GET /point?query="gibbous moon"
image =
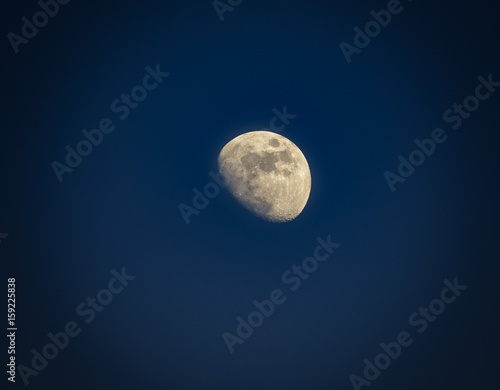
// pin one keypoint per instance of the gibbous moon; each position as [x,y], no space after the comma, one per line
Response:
[268,175]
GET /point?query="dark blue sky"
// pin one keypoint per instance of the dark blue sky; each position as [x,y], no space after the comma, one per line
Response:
[119,207]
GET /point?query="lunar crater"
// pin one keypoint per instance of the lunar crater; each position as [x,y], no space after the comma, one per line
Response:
[274,142]
[268,162]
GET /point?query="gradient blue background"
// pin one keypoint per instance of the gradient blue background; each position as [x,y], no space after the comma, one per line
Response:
[119,208]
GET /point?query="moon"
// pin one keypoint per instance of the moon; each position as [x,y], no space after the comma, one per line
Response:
[267,174]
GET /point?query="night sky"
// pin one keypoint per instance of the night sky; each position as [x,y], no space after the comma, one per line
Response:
[93,234]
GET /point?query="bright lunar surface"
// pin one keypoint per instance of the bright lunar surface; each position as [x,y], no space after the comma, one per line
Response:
[268,174]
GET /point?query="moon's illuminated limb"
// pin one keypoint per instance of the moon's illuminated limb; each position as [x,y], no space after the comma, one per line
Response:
[268,175]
